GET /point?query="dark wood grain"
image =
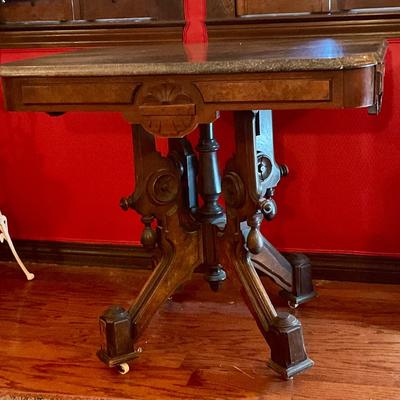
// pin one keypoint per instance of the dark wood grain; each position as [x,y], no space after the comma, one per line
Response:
[349,4]
[245,7]
[219,9]
[109,9]
[199,346]
[44,23]
[39,10]
[62,10]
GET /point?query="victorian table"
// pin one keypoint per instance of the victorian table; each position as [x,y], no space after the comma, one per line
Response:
[170,89]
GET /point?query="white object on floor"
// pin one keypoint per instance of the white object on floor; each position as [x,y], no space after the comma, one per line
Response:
[4,234]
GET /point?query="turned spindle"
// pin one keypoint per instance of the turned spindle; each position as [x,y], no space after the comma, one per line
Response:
[208,214]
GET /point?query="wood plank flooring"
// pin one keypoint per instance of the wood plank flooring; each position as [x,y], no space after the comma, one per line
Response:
[201,345]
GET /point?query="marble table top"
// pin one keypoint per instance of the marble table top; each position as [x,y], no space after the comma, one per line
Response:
[225,57]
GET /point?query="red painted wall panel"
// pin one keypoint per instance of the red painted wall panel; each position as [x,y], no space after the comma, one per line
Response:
[61,178]
[342,195]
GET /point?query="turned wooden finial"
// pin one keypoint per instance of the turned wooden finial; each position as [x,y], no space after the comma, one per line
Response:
[149,235]
[255,239]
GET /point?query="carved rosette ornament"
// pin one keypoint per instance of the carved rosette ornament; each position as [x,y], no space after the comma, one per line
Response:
[163,187]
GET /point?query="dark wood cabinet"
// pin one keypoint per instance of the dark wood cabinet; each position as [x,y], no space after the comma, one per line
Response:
[55,23]
[255,7]
[110,9]
[343,5]
[219,9]
[35,10]
[252,7]
[74,10]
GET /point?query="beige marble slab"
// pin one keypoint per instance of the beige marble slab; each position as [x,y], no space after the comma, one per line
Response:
[217,57]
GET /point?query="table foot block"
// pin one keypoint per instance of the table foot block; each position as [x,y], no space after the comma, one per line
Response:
[290,372]
[288,354]
[303,288]
[118,360]
[116,327]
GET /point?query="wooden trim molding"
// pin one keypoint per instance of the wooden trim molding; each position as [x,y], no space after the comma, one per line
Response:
[87,34]
[341,267]
[66,34]
[384,25]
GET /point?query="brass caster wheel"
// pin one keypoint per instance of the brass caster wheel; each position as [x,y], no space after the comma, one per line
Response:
[123,368]
[292,305]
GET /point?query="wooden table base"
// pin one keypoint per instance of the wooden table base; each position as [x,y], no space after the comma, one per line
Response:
[223,241]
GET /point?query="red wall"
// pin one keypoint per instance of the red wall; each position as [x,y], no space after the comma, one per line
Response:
[61,178]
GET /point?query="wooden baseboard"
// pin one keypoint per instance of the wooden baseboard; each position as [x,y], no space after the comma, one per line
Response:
[71,253]
[343,267]
[356,268]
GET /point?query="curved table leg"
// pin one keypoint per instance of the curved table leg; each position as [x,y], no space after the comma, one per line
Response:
[282,331]
[291,273]
[162,194]
[255,165]
[121,328]
[250,175]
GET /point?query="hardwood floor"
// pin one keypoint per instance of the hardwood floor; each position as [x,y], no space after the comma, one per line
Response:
[202,345]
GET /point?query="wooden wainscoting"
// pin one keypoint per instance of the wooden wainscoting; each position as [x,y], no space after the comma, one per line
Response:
[340,267]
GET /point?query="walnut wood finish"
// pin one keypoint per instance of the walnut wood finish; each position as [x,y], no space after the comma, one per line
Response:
[168,90]
[245,7]
[36,10]
[142,81]
[349,4]
[158,195]
[109,9]
[73,10]
[184,243]
[221,14]
[219,9]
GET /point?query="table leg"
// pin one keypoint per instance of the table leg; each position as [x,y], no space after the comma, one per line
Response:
[292,274]
[159,194]
[246,191]
[282,331]
[188,236]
